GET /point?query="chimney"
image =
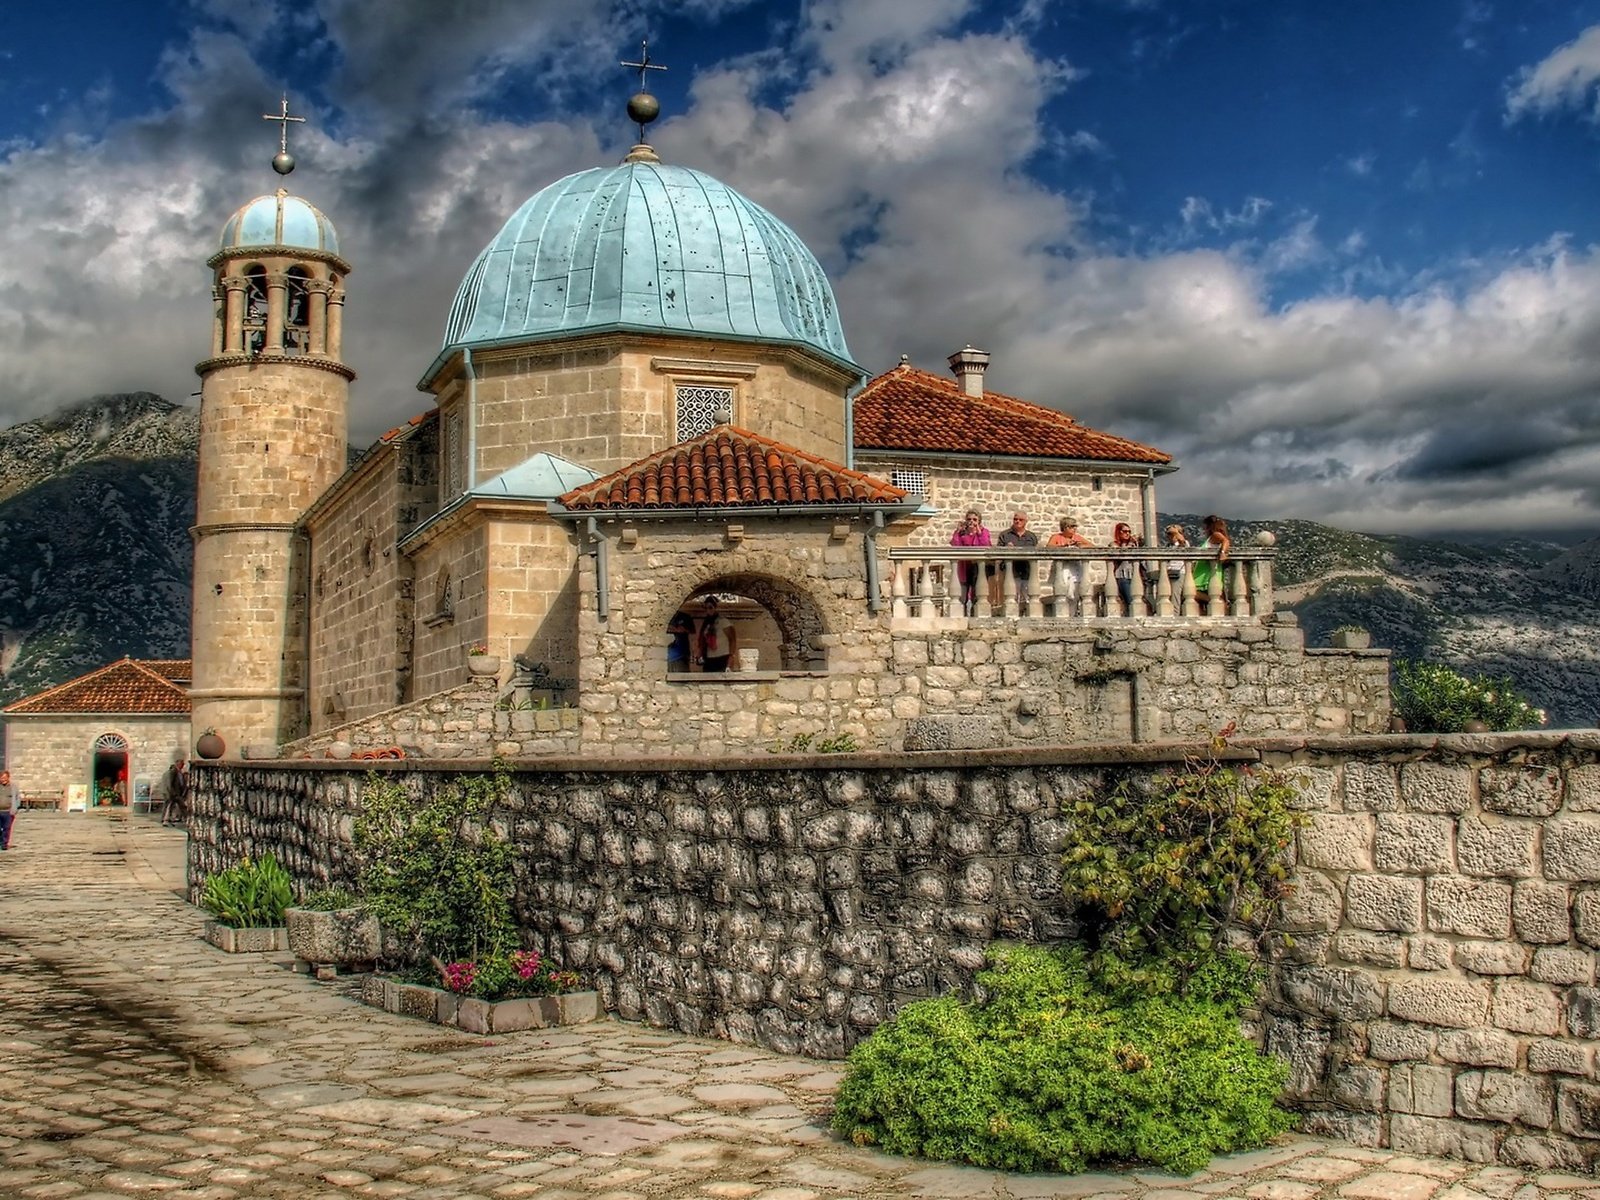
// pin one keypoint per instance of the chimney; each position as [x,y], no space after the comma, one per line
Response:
[969,366]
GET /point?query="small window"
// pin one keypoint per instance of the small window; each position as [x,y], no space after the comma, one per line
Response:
[914,483]
[698,408]
[455,453]
[1096,483]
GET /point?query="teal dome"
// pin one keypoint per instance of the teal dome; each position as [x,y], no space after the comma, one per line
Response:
[280,220]
[647,247]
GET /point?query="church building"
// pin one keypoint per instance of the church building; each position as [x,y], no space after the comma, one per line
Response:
[645,420]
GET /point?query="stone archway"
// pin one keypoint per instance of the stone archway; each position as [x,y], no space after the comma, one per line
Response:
[793,609]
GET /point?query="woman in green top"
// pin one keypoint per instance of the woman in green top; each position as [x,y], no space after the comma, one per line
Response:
[1206,570]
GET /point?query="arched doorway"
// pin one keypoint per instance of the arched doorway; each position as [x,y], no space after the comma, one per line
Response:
[773,616]
[108,772]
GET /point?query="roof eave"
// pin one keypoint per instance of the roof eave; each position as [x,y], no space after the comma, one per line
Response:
[1103,464]
[721,512]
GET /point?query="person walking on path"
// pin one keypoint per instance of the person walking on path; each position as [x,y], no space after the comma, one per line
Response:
[176,806]
[10,802]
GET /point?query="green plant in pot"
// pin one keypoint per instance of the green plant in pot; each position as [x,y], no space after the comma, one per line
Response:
[252,895]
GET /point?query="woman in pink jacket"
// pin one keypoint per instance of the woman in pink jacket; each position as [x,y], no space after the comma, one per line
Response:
[970,533]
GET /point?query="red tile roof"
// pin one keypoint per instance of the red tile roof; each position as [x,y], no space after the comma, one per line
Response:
[731,467]
[128,686]
[910,409]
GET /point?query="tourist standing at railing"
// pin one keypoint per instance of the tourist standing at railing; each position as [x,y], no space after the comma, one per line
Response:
[1176,540]
[1021,569]
[1126,569]
[1070,574]
[1206,570]
[971,533]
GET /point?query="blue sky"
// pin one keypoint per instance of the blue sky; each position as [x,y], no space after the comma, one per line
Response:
[1338,258]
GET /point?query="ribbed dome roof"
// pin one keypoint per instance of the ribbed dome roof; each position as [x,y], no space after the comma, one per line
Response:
[649,247]
[280,220]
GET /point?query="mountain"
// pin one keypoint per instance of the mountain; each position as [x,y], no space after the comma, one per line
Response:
[95,559]
[1512,607]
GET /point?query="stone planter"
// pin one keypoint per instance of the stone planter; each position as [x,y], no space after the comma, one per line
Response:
[483,664]
[479,1016]
[341,937]
[748,660]
[1351,639]
[246,941]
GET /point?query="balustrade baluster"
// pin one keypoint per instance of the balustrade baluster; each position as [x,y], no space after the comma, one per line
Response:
[1239,599]
[899,605]
[924,593]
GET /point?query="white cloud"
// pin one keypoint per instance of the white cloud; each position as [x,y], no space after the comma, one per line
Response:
[1564,79]
[900,156]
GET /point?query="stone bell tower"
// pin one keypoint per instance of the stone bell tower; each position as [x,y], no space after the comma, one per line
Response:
[274,396]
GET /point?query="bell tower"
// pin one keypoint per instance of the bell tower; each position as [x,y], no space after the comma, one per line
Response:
[274,396]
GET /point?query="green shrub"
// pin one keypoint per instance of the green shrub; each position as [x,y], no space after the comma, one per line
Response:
[329,900]
[432,872]
[251,895]
[1158,870]
[1433,698]
[1051,1070]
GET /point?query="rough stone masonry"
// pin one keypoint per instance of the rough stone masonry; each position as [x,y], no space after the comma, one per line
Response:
[1433,986]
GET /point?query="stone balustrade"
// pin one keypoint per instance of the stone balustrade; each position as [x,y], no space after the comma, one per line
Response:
[1080,583]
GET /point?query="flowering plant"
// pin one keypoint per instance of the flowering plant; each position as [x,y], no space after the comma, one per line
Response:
[1432,698]
[511,976]
[478,649]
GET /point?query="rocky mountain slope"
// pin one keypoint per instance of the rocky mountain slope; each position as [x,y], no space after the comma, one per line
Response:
[1514,607]
[95,559]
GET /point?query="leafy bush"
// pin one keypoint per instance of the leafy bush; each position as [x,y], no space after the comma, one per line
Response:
[1158,871]
[1051,1070]
[432,872]
[329,900]
[1433,698]
[251,895]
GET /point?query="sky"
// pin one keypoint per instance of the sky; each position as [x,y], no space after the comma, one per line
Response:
[1341,260]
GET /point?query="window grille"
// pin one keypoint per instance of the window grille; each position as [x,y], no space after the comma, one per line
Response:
[698,407]
[913,483]
[110,741]
[454,454]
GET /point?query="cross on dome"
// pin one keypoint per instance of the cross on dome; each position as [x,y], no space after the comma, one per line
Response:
[283,161]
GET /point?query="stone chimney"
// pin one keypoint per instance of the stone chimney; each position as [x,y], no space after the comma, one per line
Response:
[969,366]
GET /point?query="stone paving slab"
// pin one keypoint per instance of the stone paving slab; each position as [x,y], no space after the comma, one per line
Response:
[137,1061]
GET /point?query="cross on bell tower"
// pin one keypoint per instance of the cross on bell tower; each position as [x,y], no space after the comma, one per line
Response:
[283,161]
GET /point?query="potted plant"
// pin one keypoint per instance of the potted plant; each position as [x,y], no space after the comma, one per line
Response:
[480,661]
[247,904]
[210,745]
[331,930]
[1351,637]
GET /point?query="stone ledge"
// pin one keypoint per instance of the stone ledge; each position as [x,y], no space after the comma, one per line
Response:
[245,941]
[479,1016]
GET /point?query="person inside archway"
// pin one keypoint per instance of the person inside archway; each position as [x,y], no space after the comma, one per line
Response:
[719,640]
[679,651]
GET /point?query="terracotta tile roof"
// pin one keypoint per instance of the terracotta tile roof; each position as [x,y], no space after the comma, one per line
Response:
[410,424]
[731,467]
[911,409]
[128,686]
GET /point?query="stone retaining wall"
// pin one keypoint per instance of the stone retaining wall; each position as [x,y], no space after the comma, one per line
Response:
[1437,995]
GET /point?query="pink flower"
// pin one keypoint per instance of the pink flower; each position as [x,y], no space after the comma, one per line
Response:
[458,976]
[525,963]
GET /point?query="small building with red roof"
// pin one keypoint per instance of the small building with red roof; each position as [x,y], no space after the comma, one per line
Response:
[103,739]
[959,446]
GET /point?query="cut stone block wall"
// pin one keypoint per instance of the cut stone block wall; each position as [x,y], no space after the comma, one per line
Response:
[1433,987]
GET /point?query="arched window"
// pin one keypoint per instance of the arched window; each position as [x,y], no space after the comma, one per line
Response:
[255,310]
[110,741]
[297,313]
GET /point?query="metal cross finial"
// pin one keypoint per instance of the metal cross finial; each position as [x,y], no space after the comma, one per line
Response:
[283,118]
[644,64]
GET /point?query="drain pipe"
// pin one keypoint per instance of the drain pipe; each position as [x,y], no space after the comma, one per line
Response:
[870,544]
[602,570]
[472,419]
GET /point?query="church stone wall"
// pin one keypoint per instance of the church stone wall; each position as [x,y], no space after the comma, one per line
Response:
[607,402]
[446,625]
[533,592]
[1438,995]
[1045,493]
[45,754]
[359,600]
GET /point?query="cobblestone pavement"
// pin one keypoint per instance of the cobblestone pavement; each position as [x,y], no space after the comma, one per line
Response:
[135,1060]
